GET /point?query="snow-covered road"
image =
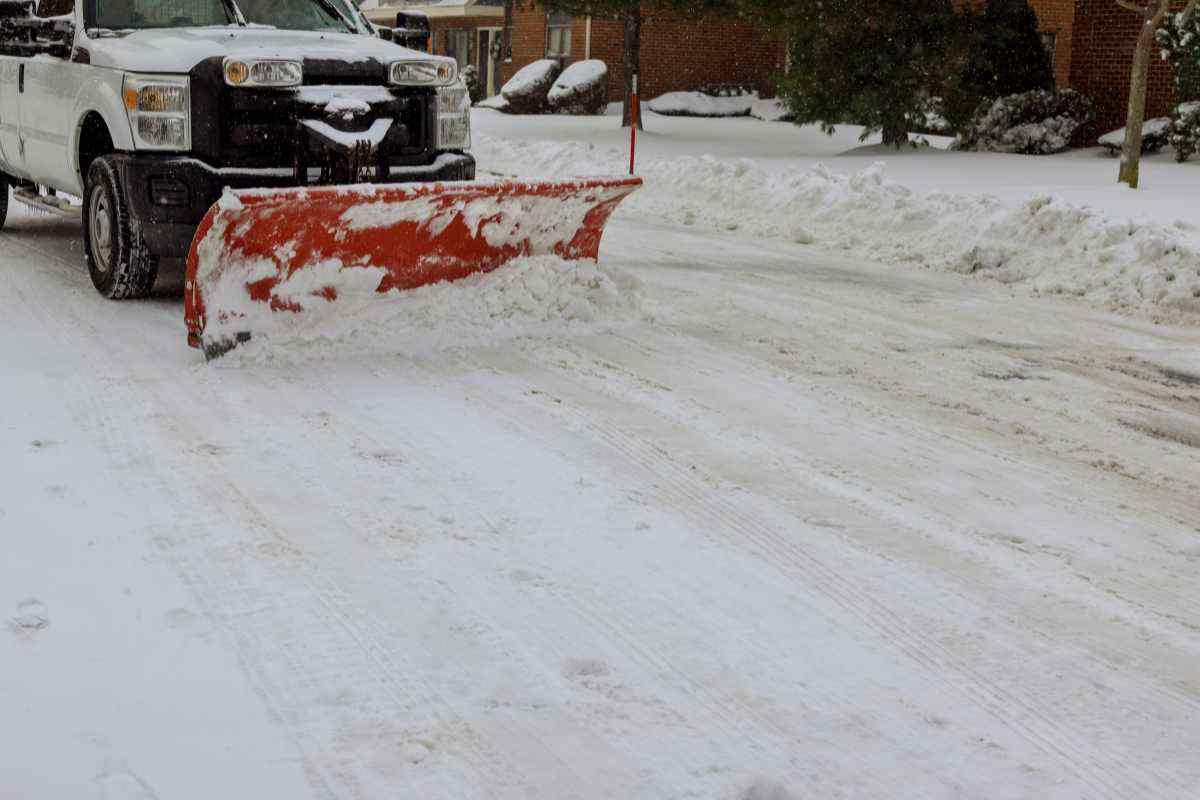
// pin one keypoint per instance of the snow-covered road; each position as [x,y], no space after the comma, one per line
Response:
[816,528]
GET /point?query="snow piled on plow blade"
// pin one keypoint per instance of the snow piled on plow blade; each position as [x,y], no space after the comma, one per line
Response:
[303,263]
[531,296]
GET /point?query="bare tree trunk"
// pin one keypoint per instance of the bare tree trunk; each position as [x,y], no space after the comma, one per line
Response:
[633,61]
[1131,153]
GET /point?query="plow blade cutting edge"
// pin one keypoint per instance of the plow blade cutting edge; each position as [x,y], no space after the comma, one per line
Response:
[263,254]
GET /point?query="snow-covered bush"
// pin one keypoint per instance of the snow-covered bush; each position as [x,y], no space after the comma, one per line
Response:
[496,103]
[772,110]
[1185,131]
[697,104]
[1156,134]
[1033,123]
[727,90]
[527,92]
[582,88]
[470,78]
[931,118]
[1179,39]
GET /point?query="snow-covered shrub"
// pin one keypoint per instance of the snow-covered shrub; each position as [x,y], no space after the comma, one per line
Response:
[727,90]
[582,88]
[697,104]
[527,91]
[1185,131]
[931,118]
[771,110]
[496,103]
[1179,39]
[470,78]
[1033,123]
[1156,133]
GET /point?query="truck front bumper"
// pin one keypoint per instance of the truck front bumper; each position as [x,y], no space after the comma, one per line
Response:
[169,195]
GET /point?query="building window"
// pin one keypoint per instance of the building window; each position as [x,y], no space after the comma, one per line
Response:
[458,46]
[1050,42]
[558,35]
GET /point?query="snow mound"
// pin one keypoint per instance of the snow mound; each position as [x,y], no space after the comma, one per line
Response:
[696,104]
[537,296]
[1046,243]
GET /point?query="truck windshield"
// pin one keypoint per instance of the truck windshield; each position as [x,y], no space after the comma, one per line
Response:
[297,15]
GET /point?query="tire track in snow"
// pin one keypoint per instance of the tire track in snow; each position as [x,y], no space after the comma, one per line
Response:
[1166,502]
[873,499]
[695,500]
[765,734]
[233,600]
[761,377]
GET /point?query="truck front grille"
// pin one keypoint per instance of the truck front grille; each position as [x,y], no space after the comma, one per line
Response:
[236,127]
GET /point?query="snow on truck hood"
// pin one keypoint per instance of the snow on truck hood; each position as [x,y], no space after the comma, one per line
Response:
[178,50]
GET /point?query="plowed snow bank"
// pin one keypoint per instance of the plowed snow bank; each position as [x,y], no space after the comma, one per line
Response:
[1045,243]
[538,296]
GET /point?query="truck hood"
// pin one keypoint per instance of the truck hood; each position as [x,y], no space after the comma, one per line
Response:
[177,51]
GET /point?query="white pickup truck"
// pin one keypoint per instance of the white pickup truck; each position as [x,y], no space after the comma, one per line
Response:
[144,110]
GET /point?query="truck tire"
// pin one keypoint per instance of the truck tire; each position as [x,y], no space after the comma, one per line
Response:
[4,189]
[121,265]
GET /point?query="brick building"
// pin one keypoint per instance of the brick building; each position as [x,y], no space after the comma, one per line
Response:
[1057,21]
[1104,39]
[682,54]
[677,54]
[1092,42]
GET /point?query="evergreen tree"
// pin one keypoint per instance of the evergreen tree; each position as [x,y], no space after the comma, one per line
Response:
[1001,54]
[873,63]
[1179,39]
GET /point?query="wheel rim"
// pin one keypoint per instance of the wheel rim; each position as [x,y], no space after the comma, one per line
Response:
[101,229]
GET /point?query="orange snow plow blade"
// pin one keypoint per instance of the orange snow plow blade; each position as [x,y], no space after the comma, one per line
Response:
[265,252]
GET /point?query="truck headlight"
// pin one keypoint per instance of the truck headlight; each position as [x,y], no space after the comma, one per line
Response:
[159,109]
[268,72]
[434,72]
[453,118]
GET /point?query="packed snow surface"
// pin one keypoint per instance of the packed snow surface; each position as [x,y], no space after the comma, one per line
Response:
[781,521]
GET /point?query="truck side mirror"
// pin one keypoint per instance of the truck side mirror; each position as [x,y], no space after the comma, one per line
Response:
[384,33]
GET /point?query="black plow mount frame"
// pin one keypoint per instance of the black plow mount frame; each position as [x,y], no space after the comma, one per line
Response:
[343,159]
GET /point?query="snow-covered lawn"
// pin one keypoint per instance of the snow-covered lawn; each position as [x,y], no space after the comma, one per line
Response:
[732,517]
[1058,225]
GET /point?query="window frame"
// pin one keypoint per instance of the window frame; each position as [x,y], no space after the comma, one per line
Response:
[563,29]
